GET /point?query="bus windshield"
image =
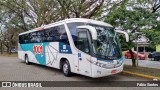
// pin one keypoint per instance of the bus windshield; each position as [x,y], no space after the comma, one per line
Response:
[107,45]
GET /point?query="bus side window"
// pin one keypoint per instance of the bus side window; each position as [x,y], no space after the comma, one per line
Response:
[73,30]
[82,42]
[63,35]
[21,39]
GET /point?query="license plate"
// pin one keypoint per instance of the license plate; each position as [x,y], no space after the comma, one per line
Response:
[114,71]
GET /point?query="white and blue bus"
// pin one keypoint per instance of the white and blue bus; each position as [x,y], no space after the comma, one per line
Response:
[75,45]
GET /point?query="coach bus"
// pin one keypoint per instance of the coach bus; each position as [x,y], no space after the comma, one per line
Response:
[75,45]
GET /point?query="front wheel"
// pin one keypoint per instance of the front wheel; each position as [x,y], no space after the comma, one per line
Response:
[66,68]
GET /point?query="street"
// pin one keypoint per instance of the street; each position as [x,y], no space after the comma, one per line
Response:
[13,69]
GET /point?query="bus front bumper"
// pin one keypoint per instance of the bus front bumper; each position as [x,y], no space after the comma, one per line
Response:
[102,72]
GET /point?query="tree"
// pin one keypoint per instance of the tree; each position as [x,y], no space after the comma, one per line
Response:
[153,35]
[156,6]
[35,13]
[132,20]
[10,40]
[9,34]
[153,5]
[80,8]
[31,13]
[25,15]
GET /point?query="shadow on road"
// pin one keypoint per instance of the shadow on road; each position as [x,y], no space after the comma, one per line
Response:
[76,76]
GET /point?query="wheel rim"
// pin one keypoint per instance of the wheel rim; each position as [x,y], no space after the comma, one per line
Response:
[65,68]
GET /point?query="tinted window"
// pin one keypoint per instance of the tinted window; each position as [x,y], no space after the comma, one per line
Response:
[73,29]
[82,42]
[53,34]
[35,37]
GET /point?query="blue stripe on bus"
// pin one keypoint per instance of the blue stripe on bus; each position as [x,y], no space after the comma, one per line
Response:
[39,57]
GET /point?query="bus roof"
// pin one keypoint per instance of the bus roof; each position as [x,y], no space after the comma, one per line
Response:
[68,21]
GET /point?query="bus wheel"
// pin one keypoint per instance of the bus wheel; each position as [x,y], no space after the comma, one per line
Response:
[66,68]
[26,59]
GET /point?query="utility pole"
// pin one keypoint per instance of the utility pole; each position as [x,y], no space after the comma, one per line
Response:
[137,33]
[1,39]
[137,54]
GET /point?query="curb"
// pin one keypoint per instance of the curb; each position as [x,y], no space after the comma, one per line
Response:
[143,66]
[142,75]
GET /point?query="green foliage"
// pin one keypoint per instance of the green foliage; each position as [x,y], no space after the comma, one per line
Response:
[125,46]
[133,20]
[153,36]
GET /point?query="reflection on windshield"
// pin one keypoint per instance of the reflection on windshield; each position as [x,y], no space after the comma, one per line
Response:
[107,43]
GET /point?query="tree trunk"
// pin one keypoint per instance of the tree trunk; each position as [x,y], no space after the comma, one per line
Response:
[132,57]
[9,50]
[1,48]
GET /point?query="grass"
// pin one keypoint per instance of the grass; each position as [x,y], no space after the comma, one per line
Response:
[143,70]
[123,52]
[158,48]
[9,55]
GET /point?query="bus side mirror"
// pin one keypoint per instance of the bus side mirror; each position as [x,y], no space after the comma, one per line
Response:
[91,29]
[123,33]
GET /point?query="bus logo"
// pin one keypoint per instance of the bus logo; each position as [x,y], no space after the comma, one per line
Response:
[38,49]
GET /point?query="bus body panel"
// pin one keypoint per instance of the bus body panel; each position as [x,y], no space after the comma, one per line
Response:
[82,66]
[50,54]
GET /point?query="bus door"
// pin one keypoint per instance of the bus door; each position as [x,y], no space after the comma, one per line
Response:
[84,66]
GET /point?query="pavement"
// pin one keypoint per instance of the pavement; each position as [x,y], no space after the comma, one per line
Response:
[144,63]
[13,69]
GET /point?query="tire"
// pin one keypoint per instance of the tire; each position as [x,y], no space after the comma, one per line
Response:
[139,58]
[66,69]
[154,59]
[27,60]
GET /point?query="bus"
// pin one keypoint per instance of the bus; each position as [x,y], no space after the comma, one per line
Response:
[76,45]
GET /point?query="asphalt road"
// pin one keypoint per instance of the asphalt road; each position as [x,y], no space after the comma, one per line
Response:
[13,69]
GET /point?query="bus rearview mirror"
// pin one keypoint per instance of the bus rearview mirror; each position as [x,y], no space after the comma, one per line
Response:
[91,29]
[123,33]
